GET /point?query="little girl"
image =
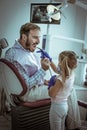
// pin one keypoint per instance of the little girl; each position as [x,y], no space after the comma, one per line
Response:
[60,88]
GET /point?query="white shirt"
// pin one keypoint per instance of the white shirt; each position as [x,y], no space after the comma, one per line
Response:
[64,92]
[27,64]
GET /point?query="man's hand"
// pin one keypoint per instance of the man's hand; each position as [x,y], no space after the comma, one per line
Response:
[46,82]
[52,81]
[44,54]
[45,64]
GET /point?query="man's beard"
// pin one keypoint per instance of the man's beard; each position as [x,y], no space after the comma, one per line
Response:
[27,44]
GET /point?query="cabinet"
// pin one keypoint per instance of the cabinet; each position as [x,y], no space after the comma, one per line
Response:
[81,72]
[82,95]
[81,89]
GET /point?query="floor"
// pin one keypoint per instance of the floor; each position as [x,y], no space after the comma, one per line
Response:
[5,123]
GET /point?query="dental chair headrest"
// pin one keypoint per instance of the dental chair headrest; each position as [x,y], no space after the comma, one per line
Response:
[3,43]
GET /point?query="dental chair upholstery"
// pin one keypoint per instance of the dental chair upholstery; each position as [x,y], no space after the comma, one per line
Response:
[24,115]
[3,44]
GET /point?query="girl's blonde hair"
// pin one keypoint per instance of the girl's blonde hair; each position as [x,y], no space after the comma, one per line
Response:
[67,62]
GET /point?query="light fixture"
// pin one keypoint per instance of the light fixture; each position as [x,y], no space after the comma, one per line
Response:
[53,12]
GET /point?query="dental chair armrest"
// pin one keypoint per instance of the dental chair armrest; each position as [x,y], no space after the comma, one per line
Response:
[82,103]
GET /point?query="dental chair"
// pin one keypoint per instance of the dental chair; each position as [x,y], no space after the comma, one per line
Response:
[24,115]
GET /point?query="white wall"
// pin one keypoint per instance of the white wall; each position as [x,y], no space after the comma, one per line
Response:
[12,15]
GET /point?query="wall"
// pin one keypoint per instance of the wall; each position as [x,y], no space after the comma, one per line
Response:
[15,13]
[12,15]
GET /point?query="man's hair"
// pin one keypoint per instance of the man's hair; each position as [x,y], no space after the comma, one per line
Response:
[25,29]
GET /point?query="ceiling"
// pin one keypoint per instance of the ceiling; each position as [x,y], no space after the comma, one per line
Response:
[82,3]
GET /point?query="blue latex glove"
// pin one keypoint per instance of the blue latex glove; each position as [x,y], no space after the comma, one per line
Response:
[52,81]
[44,54]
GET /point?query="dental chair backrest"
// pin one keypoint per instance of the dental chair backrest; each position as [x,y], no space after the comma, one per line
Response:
[11,80]
[3,44]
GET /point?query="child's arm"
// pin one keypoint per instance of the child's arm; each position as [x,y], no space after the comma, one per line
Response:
[54,89]
[54,67]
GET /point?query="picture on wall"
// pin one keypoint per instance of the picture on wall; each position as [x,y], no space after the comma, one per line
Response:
[45,13]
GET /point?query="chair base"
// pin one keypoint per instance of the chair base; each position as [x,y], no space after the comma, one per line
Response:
[25,118]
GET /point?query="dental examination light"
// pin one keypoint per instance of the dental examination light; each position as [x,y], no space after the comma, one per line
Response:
[53,12]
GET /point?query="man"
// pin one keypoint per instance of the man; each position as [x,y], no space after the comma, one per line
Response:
[24,57]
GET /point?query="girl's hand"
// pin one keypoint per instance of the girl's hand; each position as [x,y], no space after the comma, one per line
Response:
[52,81]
